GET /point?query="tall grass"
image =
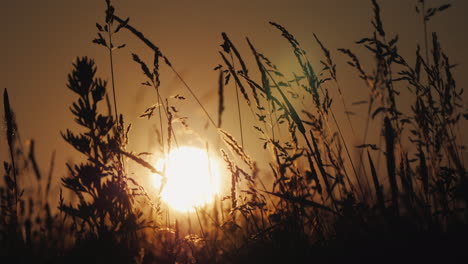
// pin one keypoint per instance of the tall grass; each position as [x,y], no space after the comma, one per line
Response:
[321,205]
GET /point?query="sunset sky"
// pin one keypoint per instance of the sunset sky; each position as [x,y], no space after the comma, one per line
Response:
[41,39]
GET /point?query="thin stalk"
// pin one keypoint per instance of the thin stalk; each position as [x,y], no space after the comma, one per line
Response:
[194,96]
[348,154]
[238,106]
[112,69]
[271,120]
[391,164]
[160,119]
[201,227]
[345,107]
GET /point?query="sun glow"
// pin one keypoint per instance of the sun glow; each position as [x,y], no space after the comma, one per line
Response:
[193,178]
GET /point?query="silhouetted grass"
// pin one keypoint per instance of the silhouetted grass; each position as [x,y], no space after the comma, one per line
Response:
[321,205]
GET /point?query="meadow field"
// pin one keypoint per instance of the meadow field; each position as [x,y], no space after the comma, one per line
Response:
[286,169]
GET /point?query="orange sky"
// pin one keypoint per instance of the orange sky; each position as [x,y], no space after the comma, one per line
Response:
[40,39]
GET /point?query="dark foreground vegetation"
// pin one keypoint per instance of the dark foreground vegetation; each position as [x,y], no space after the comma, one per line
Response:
[322,205]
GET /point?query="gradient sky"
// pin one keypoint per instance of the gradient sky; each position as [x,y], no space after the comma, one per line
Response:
[40,40]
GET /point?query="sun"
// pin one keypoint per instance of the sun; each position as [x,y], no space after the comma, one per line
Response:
[193,178]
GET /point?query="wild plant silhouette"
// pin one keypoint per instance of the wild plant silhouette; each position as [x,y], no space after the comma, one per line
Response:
[323,204]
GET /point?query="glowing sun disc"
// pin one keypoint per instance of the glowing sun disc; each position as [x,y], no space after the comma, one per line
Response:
[193,178]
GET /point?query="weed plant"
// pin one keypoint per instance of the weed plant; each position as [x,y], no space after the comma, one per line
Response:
[322,205]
